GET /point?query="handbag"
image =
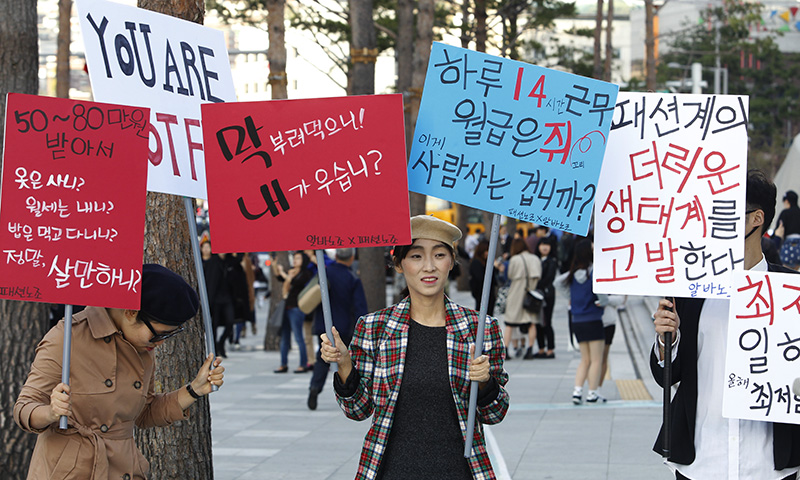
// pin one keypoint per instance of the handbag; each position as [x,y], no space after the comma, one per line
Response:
[310,297]
[533,299]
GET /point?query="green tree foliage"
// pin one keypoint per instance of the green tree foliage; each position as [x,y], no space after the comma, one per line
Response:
[517,17]
[755,67]
[327,21]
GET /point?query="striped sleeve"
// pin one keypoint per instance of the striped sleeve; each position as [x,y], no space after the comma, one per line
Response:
[495,411]
[359,406]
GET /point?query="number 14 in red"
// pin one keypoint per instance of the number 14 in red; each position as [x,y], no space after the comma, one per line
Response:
[537,91]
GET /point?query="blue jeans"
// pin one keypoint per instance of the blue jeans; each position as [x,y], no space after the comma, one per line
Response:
[294,318]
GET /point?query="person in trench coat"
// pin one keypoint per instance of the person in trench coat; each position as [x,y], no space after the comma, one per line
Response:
[111,387]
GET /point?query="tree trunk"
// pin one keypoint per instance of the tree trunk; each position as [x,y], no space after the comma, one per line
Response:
[182,450]
[276,52]
[650,46]
[404,55]
[278,80]
[405,66]
[609,45]
[598,34]
[363,54]
[22,324]
[513,32]
[480,25]
[422,52]
[466,34]
[62,48]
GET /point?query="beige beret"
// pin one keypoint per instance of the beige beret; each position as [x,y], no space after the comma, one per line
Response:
[430,227]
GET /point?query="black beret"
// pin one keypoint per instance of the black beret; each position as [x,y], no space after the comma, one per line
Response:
[166,297]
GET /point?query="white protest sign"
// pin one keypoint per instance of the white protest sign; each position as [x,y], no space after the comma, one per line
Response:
[670,203]
[142,58]
[763,353]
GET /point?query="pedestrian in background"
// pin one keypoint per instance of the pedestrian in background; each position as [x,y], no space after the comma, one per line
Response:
[410,367]
[348,304]
[524,271]
[587,322]
[477,271]
[293,283]
[545,336]
[240,293]
[220,300]
[112,384]
[789,220]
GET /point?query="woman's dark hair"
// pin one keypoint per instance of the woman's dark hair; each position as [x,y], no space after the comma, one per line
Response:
[553,247]
[305,260]
[401,251]
[581,259]
[518,246]
[480,249]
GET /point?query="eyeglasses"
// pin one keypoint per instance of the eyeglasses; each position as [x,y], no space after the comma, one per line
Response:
[158,337]
[748,212]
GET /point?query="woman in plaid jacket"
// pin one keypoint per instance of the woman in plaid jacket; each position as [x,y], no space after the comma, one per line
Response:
[409,367]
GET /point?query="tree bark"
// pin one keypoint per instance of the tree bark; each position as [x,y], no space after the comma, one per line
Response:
[363,54]
[278,80]
[276,52]
[62,48]
[422,53]
[466,34]
[22,324]
[598,35]
[404,55]
[182,450]
[650,46]
[609,45]
[363,50]
[480,25]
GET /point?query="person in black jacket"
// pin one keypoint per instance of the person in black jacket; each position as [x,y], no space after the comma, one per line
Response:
[701,445]
[546,251]
[477,270]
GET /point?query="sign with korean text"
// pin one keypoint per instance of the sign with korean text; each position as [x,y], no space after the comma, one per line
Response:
[139,57]
[510,137]
[73,202]
[763,352]
[669,213]
[299,174]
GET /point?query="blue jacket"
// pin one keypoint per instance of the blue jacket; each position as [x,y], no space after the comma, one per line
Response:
[348,302]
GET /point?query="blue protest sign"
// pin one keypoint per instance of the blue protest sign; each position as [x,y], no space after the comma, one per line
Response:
[511,138]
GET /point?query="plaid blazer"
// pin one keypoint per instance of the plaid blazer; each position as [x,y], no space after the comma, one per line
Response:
[378,351]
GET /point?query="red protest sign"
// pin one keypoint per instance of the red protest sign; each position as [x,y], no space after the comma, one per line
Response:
[298,174]
[73,199]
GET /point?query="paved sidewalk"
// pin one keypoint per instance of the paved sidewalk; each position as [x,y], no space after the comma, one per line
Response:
[262,428]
